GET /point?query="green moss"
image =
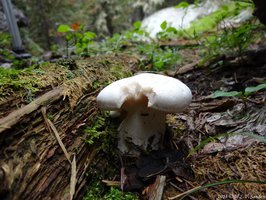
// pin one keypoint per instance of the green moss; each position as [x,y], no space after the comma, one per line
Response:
[96,192]
[18,79]
[118,73]
[96,130]
[102,133]
[115,194]
[32,79]
[5,40]
[209,22]
[103,129]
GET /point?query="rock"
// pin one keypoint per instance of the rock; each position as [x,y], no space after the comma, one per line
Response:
[6,65]
[179,17]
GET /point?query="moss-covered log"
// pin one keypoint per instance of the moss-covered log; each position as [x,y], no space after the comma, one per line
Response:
[43,154]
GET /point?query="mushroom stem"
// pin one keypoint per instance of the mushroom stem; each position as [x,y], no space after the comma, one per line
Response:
[141,130]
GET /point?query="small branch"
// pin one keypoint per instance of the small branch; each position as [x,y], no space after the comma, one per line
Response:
[111,183]
[59,139]
[14,117]
[156,192]
[184,193]
[52,129]
[186,68]
[73,179]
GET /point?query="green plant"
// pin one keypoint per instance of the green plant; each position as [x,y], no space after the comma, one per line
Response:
[160,58]
[208,23]
[130,42]
[102,132]
[5,40]
[130,38]
[94,191]
[134,41]
[7,54]
[15,79]
[214,41]
[77,37]
[247,92]
[115,194]
[223,135]
[183,4]
[230,41]
[242,94]
[103,129]
[167,32]
[96,130]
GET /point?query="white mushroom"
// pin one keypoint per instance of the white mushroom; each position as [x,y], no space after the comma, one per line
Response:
[146,98]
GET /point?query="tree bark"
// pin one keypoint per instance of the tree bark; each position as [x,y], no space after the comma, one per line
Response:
[39,141]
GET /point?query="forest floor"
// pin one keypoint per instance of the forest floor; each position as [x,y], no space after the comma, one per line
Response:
[214,150]
[221,132]
[220,141]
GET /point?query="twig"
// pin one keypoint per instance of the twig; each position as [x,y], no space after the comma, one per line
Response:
[111,183]
[182,194]
[186,68]
[181,190]
[52,129]
[59,139]
[14,117]
[157,190]
[73,179]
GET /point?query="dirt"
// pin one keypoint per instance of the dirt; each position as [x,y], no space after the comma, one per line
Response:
[237,154]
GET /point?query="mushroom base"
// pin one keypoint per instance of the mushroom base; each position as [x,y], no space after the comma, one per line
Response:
[142,130]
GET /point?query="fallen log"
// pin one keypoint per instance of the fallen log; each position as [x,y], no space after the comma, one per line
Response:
[43,154]
[16,116]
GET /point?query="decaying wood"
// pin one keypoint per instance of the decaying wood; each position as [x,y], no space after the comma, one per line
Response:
[14,117]
[229,132]
[186,68]
[156,190]
[43,154]
[251,57]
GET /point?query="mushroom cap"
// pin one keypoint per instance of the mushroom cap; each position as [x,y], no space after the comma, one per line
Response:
[164,93]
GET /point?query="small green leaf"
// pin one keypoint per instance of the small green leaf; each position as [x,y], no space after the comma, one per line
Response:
[223,135]
[217,94]
[163,25]
[137,25]
[171,30]
[63,28]
[90,35]
[69,37]
[250,90]
[159,64]
[183,4]
[140,32]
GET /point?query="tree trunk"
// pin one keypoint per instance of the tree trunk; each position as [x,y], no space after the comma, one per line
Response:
[42,150]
